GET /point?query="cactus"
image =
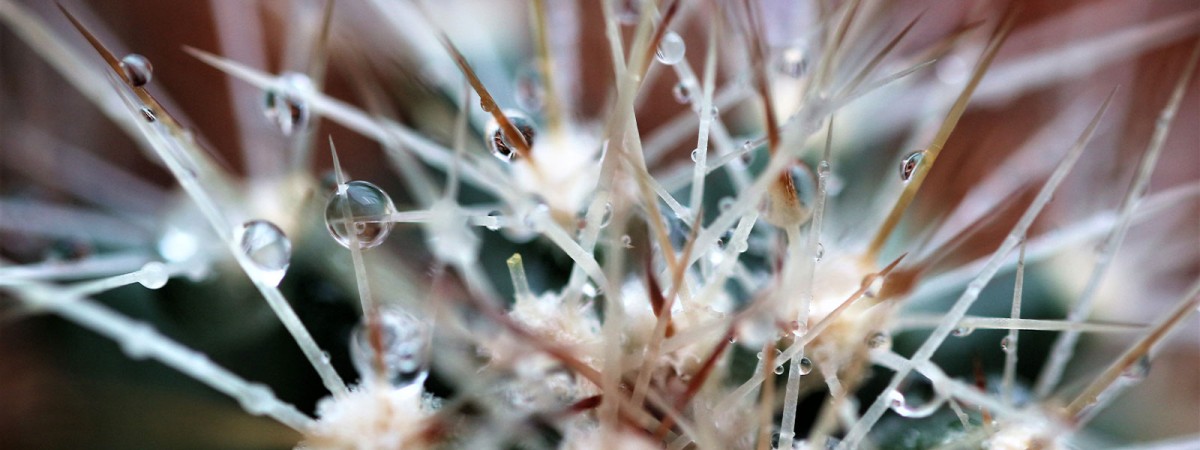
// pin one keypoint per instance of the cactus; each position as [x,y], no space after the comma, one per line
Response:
[614,224]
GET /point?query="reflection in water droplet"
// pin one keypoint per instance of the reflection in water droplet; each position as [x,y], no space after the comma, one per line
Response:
[404,341]
[681,92]
[806,366]
[284,103]
[670,49]
[499,144]
[909,164]
[148,115]
[368,207]
[820,253]
[792,63]
[265,245]
[138,69]
[153,275]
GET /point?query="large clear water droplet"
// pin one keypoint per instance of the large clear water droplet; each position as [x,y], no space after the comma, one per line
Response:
[265,245]
[1139,370]
[681,92]
[368,208]
[792,63]
[284,103]
[806,366]
[670,49]
[153,275]
[403,344]
[499,144]
[530,91]
[137,68]
[909,164]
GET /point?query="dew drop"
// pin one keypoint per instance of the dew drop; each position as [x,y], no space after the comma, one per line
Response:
[265,245]
[874,284]
[284,103]
[695,155]
[606,218]
[530,89]
[880,340]
[962,331]
[1006,344]
[626,241]
[404,342]
[670,49]
[779,369]
[137,68]
[806,366]
[1138,370]
[493,221]
[792,62]
[726,203]
[715,112]
[499,144]
[153,275]
[909,164]
[820,252]
[895,399]
[682,94]
[629,11]
[148,115]
[369,209]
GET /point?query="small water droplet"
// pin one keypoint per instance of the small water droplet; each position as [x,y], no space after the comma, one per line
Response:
[148,115]
[798,328]
[493,222]
[895,399]
[530,89]
[880,340]
[629,11]
[404,345]
[779,369]
[589,290]
[369,208]
[909,164]
[792,62]
[606,218]
[265,245]
[534,217]
[715,112]
[963,331]
[1138,370]
[137,68]
[153,275]
[627,241]
[670,49]
[256,399]
[873,283]
[806,366]
[820,252]
[1006,344]
[682,94]
[695,155]
[499,144]
[284,103]
[726,203]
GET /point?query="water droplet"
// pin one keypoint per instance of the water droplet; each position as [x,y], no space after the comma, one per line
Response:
[779,369]
[530,90]
[606,218]
[759,355]
[629,11]
[1138,370]
[627,241]
[895,399]
[909,164]
[148,115]
[682,94]
[715,112]
[726,203]
[265,245]
[589,290]
[670,49]
[493,222]
[369,209]
[798,328]
[820,252]
[256,399]
[695,155]
[963,331]
[873,283]
[137,68]
[534,217]
[806,366]
[792,62]
[1006,344]
[404,342]
[284,103]
[153,275]
[880,340]
[499,144]
[747,153]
